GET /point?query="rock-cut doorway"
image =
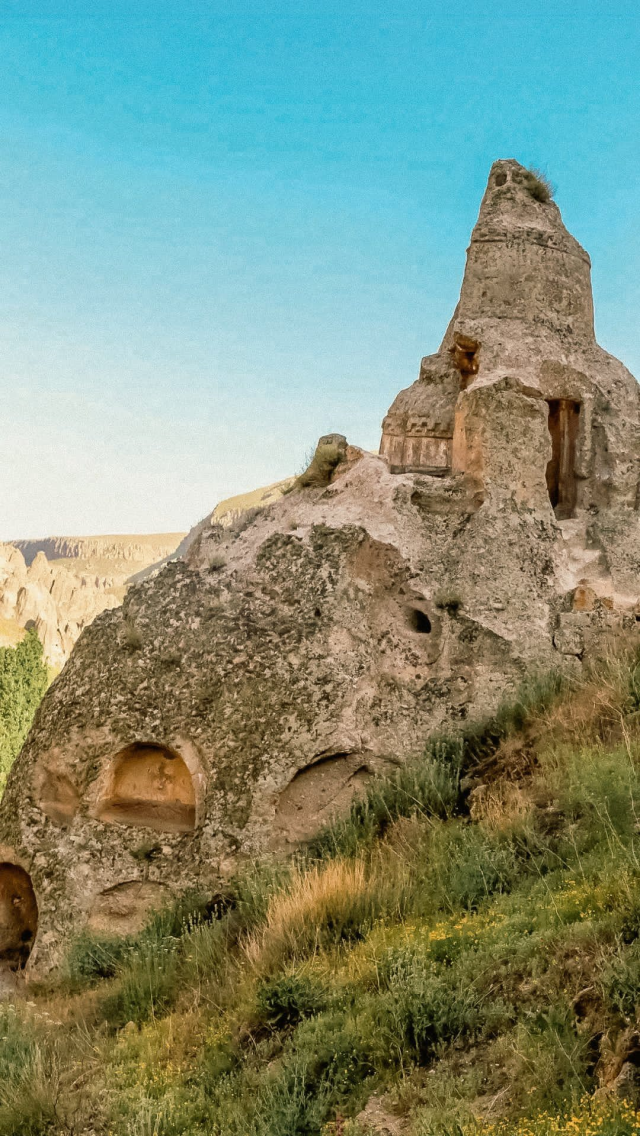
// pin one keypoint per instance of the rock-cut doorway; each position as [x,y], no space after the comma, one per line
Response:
[564,418]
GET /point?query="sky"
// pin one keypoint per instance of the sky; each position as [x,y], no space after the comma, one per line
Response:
[228,228]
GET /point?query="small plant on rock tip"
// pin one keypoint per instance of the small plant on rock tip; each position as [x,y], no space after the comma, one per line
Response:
[539,185]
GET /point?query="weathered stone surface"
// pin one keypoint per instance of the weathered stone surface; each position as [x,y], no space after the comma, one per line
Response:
[243,694]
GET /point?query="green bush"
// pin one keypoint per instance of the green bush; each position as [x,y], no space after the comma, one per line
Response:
[285,1000]
[423,1007]
[621,981]
[147,985]
[23,681]
[29,1079]
[91,957]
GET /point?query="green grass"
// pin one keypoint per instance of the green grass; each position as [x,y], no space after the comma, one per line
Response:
[473,961]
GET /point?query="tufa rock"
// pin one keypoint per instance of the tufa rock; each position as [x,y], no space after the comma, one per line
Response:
[284,662]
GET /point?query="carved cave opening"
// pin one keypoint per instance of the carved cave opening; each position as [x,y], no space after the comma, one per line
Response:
[316,794]
[150,786]
[18,916]
[418,621]
[564,419]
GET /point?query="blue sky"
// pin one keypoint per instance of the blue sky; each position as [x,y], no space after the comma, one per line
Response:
[227,228]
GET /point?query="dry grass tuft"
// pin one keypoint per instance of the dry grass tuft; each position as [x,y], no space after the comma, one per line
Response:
[604,705]
[131,637]
[539,186]
[498,807]
[323,904]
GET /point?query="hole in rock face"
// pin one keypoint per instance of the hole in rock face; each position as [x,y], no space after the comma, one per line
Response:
[501,179]
[564,417]
[150,786]
[418,621]
[18,916]
[465,353]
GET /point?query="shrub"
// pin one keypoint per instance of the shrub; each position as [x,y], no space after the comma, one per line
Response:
[217,562]
[539,186]
[91,957]
[284,1001]
[147,985]
[595,788]
[320,469]
[29,1079]
[466,866]
[23,681]
[131,637]
[548,1058]
[424,1008]
[621,981]
[245,519]
[448,600]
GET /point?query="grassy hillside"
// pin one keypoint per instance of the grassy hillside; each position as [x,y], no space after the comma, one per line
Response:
[460,956]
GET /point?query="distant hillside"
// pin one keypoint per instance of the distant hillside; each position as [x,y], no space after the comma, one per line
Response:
[60,584]
[131,548]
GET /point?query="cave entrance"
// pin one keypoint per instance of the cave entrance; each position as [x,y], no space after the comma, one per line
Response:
[18,917]
[564,417]
[150,786]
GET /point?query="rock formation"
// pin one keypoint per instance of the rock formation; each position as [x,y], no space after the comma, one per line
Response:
[60,584]
[226,513]
[243,695]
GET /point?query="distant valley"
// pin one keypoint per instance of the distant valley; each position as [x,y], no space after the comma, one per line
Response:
[60,584]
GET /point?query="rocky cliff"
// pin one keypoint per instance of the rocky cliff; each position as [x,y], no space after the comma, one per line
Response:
[242,695]
[136,549]
[226,513]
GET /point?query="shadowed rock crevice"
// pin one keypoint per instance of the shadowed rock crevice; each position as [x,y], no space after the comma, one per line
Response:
[18,917]
[57,795]
[125,908]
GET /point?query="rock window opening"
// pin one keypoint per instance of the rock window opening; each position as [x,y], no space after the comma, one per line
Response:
[465,353]
[564,417]
[18,917]
[149,786]
[418,621]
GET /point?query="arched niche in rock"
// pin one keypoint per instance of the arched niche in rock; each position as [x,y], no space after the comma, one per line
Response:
[150,786]
[316,795]
[18,916]
[56,794]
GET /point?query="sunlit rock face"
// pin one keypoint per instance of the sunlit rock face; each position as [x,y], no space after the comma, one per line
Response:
[244,694]
[526,312]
